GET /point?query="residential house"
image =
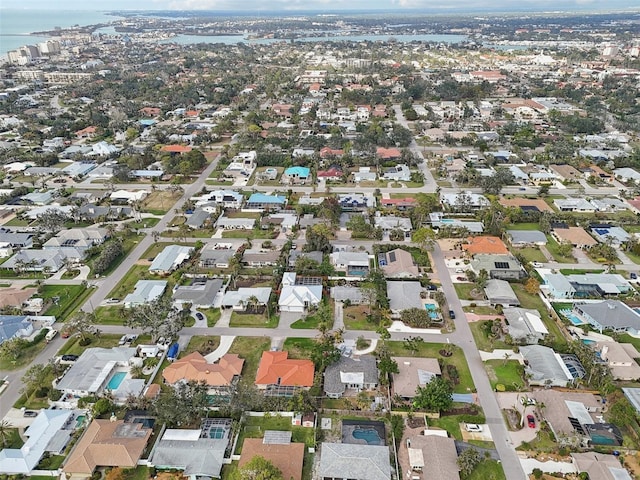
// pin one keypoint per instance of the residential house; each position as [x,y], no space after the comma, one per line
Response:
[216,199]
[344,461]
[258,258]
[125,196]
[579,205]
[526,204]
[296,176]
[277,448]
[285,221]
[352,294]
[316,256]
[463,201]
[438,221]
[78,238]
[526,238]
[364,174]
[94,369]
[16,239]
[202,293]
[610,234]
[413,372]
[566,173]
[401,204]
[432,456]
[213,256]
[626,174]
[50,433]
[241,299]
[391,223]
[600,466]
[524,325]
[398,263]
[403,295]
[78,169]
[107,443]
[352,263]
[499,292]
[261,201]
[198,219]
[356,202]
[145,291]
[16,297]
[350,373]
[576,236]
[611,315]
[170,258]
[196,453]
[621,360]
[15,326]
[545,367]
[399,173]
[47,261]
[388,153]
[242,165]
[609,205]
[235,223]
[503,267]
[586,285]
[334,173]
[279,375]
[485,245]
[298,294]
[220,377]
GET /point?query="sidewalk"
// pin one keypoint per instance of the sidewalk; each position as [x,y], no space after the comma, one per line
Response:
[225,344]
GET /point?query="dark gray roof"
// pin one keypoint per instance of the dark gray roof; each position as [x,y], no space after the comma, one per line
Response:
[365,364]
[356,462]
[499,291]
[295,254]
[611,314]
[197,218]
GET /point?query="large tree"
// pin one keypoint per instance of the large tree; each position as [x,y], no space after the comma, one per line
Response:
[182,405]
[158,318]
[435,396]
[258,468]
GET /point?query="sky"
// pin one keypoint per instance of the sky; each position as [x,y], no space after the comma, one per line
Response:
[330,5]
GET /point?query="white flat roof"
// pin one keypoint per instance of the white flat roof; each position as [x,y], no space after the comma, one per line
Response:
[179,434]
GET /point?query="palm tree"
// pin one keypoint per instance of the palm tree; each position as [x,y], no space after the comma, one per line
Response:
[5,431]
[252,303]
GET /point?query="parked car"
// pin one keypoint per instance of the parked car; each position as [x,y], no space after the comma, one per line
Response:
[112,300]
[531,421]
[529,401]
[459,270]
[452,314]
[29,413]
[633,276]
[199,316]
[472,427]
[69,358]
[65,334]
[537,264]
[461,279]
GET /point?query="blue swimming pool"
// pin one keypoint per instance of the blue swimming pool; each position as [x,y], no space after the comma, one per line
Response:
[369,435]
[588,341]
[116,380]
[432,310]
[573,318]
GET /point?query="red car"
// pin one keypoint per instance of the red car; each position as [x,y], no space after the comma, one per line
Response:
[531,421]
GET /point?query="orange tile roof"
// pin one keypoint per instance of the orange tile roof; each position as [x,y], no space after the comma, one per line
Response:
[388,152]
[276,366]
[108,444]
[176,148]
[152,391]
[287,458]
[195,367]
[485,244]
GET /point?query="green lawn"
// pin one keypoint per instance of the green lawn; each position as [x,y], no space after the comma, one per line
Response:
[73,347]
[156,248]
[13,439]
[299,348]
[253,320]
[128,244]
[17,222]
[626,338]
[451,423]
[355,318]
[144,223]
[205,344]
[532,254]
[250,348]
[482,340]
[256,233]
[254,427]
[464,290]
[212,314]
[508,374]
[534,302]
[313,321]
[487,470]
[110,315]
[523,226]
[70,299]
[553,247]
[431,350]
[26,356]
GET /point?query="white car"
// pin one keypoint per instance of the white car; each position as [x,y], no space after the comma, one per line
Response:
[537,265]
[472,427]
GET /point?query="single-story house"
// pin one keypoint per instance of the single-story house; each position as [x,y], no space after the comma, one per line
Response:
[15,326]
[353,263]
[280,375]
[340,461]
[145,291]
[278,449]
[219,198]
[356,202]
[170,258]
[600,466]
[239,299]
[434,455]
[15,297]
[350,373]
[78,238]
[261,201]
[235,223]
[499,292]
[200,294]
[260,258]
[609,315]
[353,294]
[390,223]
[50,432]
[299,293]
[294,255]
[610,233]
[526,238]
[626,174]
[51,260]
[503,267]
[107,443]
[220,376]
[464,201]
[486,245]
[198,219]
[524,325]
[545,367]
[413,372]
[194,452]
[212,256]
[620,358]
[126,196]
[403,295]
[576,236]
[398,263]
[93,370]
[400,173]
[296,175]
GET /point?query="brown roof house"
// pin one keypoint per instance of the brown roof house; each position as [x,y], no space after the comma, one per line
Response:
[280,375]
[433,456]
[600,466]
[485,245]
[219,377]
[107,443]
[414,372]
[576,236]
[398,263]
[277,448]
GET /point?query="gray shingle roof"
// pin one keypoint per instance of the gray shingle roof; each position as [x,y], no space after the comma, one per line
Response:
[356,462]
[365,364]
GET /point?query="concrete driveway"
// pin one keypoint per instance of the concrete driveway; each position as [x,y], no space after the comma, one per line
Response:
[510,400]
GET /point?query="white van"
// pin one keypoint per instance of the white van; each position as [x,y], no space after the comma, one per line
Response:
[51,334]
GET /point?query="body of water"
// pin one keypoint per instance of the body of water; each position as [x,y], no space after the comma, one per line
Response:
[16,25]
